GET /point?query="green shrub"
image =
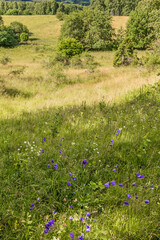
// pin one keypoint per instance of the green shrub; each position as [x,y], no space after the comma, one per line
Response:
[12,12]
[124,54]
[7,37]
[69,47]
[24,37]
[19,28]
[152,57]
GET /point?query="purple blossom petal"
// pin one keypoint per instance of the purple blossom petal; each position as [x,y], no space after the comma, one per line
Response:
[107,184]
[87,214]
[82,219]
[32,205]
[84,162]
[134,184]
[114,170]
[151,185]
[128,195]
[46,230]
[113,182]
[126,203]
[146,201]
[121,185]
[112,140]
[71,235]
[69,184]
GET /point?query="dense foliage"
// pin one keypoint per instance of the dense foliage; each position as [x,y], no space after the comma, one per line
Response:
[124,53]
[12,35]
[91,27]
[36,8]
[69,47]
[143,26]
[7,37]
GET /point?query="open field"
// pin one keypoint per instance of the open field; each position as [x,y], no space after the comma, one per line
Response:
[28,73]
[109,118]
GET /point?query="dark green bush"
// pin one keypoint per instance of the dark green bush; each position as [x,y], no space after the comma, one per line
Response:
[19,28]
[90,27]
[124,54]
[7,37]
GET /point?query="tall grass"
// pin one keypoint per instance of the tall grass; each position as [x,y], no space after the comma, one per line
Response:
[68,136]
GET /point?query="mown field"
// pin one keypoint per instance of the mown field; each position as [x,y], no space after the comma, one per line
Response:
[109,118]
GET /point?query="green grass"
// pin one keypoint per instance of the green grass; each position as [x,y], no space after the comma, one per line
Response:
[87,112]
[87,132]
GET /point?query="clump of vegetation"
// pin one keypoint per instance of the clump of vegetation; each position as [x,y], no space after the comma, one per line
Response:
[90,27]
[152,57]
[5,60]
[69,47]
[24,37]
[143,25]
[125,53]
[60,15]
[12,12]
[7,37]
[19,28]
[12,35]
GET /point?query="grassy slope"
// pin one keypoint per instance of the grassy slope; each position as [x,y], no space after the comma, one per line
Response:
[87,131]
[28,77]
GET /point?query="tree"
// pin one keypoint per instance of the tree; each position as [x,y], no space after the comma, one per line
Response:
[141,26]
[124,54]
[91,27]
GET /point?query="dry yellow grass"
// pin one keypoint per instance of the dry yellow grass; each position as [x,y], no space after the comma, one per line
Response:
[119,21]
[107,83]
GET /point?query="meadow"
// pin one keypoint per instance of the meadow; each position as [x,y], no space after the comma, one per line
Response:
[84,152]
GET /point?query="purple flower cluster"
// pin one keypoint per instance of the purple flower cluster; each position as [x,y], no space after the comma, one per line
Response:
[48,226]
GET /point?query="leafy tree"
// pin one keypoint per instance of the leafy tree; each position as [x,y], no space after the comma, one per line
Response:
[143,25]
[7,37]
[91,27]
[69,47]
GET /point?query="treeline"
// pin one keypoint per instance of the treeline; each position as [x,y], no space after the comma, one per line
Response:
[113,7]
[36,8]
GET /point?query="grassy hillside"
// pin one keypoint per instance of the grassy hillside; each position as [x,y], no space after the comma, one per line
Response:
[48,130]
[72,135]
[29,80]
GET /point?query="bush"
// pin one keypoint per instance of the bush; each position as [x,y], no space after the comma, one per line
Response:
[7,37]
[69,47]
[24,37]
[12,12]
[152,58]
[19,28]
[124,54]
